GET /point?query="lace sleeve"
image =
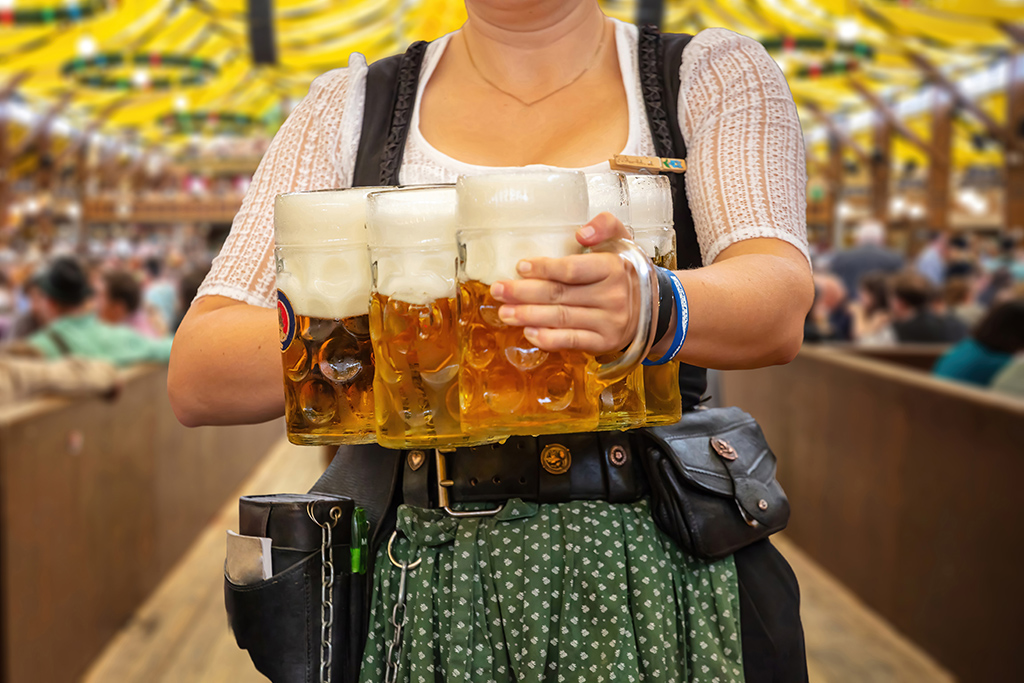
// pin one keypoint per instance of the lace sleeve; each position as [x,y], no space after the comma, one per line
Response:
[314,149]
[746,170]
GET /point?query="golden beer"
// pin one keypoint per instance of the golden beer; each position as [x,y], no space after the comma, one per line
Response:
[413,318]
[323,288]
[507,383]
[328,378]
[651,213]
[621,403]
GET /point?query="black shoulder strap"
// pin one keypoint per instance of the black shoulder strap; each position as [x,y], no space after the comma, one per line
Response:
[660,55]
[59,341]
[390,94]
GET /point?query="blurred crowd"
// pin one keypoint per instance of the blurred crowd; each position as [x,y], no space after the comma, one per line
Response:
[69,318]
[961,290]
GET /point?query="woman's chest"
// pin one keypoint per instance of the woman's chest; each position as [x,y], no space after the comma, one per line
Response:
[574,129]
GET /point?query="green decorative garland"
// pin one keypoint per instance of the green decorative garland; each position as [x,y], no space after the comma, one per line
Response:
[88,70]
[192,122]
[789,43]
[85,9]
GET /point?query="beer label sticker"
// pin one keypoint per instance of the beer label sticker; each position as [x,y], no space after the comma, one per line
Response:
[286,319]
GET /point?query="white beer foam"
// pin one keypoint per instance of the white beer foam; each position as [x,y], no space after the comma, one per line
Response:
[607,192]
[412,242]
[326,283]
[507,217]
[650,201]
[320,238]
[321,217]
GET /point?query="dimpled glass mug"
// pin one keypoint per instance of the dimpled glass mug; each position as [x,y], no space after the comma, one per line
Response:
[413,317]
[622,402]
[650,203]
[323,301]
[506,384]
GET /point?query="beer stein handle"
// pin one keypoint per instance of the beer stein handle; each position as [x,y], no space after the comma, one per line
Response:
[643,339]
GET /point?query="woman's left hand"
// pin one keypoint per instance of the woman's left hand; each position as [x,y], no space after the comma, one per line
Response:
[585,302]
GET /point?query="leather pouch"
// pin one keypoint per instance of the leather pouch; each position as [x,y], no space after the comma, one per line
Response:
[278,621]
[712,477]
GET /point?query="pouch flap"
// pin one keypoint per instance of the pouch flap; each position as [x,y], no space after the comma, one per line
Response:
[723,451]
[284,518]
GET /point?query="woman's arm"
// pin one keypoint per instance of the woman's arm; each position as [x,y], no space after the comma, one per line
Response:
[226,364]
[746,310]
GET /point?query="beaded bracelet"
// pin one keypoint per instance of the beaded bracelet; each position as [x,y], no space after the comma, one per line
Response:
[682,321]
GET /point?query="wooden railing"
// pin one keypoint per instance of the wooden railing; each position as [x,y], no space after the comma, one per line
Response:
[98,499]
[159,209]
[905,487]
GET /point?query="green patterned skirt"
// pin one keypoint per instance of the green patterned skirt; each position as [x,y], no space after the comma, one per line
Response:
[580,591]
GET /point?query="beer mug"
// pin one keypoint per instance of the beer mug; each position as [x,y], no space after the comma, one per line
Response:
[507,384]
[622,402]
[323,302]
[413,317]
[650,204]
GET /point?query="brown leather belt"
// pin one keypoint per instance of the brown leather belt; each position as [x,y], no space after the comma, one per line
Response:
[545,469]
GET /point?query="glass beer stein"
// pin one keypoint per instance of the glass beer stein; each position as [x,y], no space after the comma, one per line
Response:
[507,384]
[413,317]
[622,402]
[323,302]
[650,202]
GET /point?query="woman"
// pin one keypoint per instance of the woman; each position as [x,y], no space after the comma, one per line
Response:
[554,83]
[989,349]
[872,323]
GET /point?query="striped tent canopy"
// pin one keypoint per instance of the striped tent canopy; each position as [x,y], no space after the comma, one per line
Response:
[163,72]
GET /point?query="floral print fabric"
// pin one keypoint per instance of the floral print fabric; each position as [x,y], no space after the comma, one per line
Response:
[580,591]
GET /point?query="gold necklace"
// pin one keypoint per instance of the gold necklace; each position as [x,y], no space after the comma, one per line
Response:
[593,61]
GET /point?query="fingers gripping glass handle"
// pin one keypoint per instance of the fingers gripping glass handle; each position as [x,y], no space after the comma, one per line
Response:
[643,339]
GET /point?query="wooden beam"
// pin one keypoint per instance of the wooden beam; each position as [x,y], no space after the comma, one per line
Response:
[43,127]
[883,109]
[941,161]
[1015,31]
[940,80]
[12,85]
[881,167]
[835,130]
[1014,153]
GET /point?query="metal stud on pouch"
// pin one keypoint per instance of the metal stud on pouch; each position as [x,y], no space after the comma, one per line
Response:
[617,456]
[416,460]
[723,448]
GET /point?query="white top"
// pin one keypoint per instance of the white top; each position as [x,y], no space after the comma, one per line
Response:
[745,173]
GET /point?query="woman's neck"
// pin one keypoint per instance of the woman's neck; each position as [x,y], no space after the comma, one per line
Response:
[536,48]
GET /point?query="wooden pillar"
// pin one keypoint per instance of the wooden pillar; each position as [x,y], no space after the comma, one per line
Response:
[835,173]
[881,168]
[1014,150]
[6,165]
[940,161]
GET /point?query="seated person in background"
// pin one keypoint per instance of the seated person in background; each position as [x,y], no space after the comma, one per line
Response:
[868,256]
[159,292]
[914,317]
[119,302]
[830,313]
[872,322]
[1010,379]
[980,357]
[23,377]
[72,329]
[959,297]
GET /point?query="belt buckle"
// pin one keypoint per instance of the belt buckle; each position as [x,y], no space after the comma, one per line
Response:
[443,482]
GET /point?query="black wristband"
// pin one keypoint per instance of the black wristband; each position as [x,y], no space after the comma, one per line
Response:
[665,299]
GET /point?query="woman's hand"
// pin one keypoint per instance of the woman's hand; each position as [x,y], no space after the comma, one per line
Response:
[585,302]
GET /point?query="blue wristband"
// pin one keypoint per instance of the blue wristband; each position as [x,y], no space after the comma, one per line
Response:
[682,322]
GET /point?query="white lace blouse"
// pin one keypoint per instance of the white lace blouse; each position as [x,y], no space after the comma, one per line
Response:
[745,157]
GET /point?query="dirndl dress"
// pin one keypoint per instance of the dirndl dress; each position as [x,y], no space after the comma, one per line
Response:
[579,591]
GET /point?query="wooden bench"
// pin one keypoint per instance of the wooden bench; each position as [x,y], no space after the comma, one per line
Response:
[905,488]
[98,500]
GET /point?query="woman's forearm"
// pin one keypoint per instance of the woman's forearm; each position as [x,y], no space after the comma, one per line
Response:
[747,309]
[226,364]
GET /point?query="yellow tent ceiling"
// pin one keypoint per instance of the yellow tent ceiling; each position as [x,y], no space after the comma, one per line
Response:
[150,65]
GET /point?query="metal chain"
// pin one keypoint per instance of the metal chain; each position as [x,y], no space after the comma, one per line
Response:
[392,664]
[326,590]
